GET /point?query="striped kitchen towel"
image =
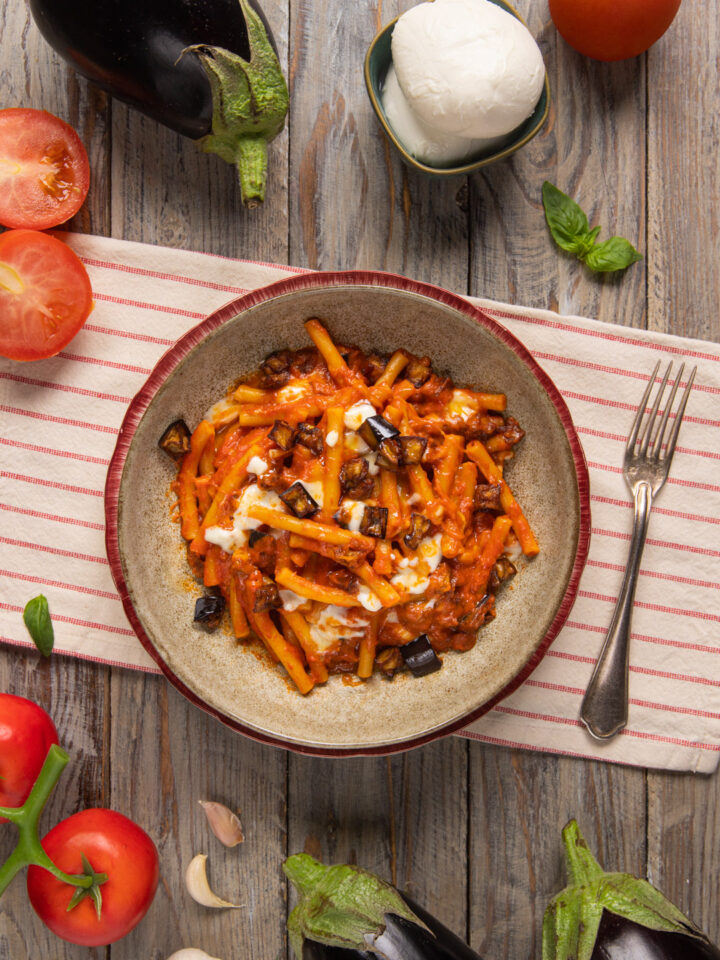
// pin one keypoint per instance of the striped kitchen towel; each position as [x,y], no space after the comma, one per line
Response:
[58,425]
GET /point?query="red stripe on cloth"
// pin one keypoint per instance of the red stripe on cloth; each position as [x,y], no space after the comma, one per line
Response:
[59,651]
[128,335]
[669,544]
[646,638]
[53,484]
[657,607]
[44,548]
[130,368]
[672,481]
[602,335]
[569,722]
[47,418]
[77,587]
[612,501]
[624,405]
[158,307]
[52,516]
[649,704]
[604,368]
[50,385]
[656,574]
[70,454]
[646,671]
[139,271]
[123,631]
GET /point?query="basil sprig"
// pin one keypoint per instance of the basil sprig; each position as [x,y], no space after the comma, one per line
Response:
[37,619]
[571,231]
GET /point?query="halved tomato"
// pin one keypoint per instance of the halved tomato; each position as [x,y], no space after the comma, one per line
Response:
[44,169]
[45,295]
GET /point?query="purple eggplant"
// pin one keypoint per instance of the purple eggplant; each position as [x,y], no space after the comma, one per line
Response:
[615,916]
[346,913]
[205,68]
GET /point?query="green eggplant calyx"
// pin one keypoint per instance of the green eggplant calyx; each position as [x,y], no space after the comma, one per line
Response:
[340,906]
[250,103]
[572,918]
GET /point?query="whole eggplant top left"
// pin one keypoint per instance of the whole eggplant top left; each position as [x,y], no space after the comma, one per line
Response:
[132,49]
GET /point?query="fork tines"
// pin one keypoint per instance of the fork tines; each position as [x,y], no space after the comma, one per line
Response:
[653,438]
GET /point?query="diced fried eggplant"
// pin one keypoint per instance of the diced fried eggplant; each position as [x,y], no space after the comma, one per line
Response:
[482,613]
[390,454]
[254,536]
[419,656]
[418,370]
[267,596]
[299,500]
[388,661]
[310,437]
[488,425]
[176,440]
[504,569]
[419,527]
[374,522]
[282,434]
[342,578]
[263,551]
[209,610]
[487,497]
[355,479]
[277,362]
[372,367]
[512,432]
[375,430]
[413,449]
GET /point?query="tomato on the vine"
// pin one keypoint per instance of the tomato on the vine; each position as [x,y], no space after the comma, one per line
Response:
[112,844]
[609,30]
[45,295]
[26,733]
[44,169]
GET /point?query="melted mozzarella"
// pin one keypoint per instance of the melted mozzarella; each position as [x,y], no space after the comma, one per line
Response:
[357,413]
[353,511]
[368,599]
[332,438]
[257,465]
[462,405]
[330,624]
[293,391]
[413,575]
[291,600]
[354,442]
[230,538]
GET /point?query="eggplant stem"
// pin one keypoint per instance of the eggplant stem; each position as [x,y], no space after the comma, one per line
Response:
[582,866]
[251,165]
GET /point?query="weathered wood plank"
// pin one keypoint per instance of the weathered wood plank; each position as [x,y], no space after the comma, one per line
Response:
[167,756]
[519,804]
[593,148]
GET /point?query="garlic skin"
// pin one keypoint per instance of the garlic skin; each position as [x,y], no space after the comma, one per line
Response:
[191,953]
[196,883]
[223,823]
[467,67]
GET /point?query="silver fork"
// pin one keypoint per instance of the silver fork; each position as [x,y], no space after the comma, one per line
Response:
[604,709]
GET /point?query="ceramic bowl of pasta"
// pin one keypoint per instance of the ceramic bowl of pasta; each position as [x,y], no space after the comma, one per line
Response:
[347,513]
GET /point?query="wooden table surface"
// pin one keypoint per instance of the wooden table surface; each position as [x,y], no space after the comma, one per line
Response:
[471,831]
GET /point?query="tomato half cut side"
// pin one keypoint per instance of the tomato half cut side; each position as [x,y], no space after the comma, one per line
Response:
[45,295]
[44,169]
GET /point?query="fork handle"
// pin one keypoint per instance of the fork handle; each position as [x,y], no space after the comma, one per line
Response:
[604,709]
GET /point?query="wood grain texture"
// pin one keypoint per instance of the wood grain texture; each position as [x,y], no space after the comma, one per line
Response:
[471,831]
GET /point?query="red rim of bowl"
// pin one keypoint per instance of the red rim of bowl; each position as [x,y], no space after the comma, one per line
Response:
[309,281]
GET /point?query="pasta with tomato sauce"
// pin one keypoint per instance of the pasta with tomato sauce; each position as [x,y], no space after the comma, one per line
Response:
[350,511]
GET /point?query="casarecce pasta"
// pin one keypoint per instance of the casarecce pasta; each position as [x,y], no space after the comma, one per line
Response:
[351,511]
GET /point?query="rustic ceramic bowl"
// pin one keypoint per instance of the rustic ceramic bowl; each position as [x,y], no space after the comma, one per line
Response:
[377,63]
[234,681]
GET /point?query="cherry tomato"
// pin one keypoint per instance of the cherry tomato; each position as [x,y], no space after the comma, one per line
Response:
[44,170]
[26,734]
[612,29]
[113,845]
[45,295]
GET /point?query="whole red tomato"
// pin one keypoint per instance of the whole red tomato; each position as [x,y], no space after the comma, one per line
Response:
[612,29]
[26,734]
[113,845]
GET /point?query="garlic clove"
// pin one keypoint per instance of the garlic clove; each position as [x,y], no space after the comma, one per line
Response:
[223,823]
[197,885]
[191,953]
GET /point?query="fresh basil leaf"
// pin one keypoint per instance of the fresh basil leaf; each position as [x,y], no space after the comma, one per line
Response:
[567,222]
[37,619]
[617,253]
